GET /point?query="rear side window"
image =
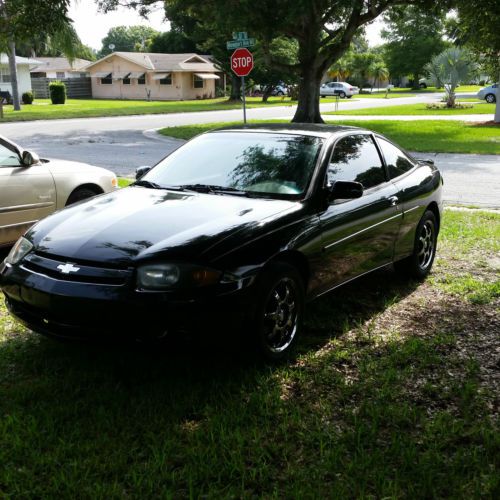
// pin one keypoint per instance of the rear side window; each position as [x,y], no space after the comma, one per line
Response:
[397,162]
[355,158]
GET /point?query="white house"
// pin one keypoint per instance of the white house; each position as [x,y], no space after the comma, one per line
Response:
[59,67]
[23,73]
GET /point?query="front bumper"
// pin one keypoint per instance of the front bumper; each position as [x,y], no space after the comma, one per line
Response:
[76,310]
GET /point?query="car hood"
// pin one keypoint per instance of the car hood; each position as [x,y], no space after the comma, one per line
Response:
[138,223]
[61,167]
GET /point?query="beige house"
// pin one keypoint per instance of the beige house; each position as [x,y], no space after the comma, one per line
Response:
[59,67]
[139,75]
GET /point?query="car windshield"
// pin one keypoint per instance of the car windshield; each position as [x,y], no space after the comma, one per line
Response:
[273,165]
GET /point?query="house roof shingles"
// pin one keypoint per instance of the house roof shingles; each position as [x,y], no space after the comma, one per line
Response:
[60,64]
[165,62]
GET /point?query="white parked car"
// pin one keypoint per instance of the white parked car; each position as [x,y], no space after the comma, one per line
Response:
[342,89]
[489,94]
[32,188]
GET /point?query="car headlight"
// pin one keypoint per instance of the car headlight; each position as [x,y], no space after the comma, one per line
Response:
[19,251]
[167,276]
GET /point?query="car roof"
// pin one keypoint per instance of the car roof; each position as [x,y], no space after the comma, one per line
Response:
[313,129]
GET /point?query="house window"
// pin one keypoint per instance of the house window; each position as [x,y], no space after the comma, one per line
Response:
[5,75]
[142,79]
[166,81]
[126,79]
[60,74]
[197,82]
[107,80]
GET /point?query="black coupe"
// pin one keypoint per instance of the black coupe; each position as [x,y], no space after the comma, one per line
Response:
[238,226]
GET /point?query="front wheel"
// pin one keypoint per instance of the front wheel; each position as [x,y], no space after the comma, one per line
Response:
[419,264]
[80,194]
[342,95]
[278,316]
[490,98]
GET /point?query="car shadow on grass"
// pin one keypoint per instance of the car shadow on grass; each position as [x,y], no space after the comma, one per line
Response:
[205,356]
[200,418]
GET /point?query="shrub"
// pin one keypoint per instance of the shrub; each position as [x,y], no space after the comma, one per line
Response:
[28,98]
[458,105]
[57,92]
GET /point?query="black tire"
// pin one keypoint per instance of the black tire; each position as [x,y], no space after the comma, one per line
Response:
[280,93]
[80,194]
[342,95]
[490,98]
[419,264]
[423,85]
[277,322]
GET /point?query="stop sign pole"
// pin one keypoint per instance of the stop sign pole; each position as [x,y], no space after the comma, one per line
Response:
[242,64]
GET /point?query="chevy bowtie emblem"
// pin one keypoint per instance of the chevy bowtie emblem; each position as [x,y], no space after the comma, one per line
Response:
[67,268]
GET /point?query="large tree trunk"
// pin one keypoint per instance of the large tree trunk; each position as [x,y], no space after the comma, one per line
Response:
[235,88]
[13,76]
[308,106]
[267,92]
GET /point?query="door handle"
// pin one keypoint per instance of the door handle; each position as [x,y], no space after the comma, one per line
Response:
[393,200]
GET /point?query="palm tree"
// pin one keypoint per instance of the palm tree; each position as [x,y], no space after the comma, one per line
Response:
[16,28]
[451,67]
[379,72]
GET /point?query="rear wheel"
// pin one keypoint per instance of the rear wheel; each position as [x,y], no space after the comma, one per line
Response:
[80,194]
[342,95]
[491,98]
[419,264]
[278,316]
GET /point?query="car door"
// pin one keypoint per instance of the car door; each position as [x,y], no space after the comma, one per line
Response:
[330,89]
[358,235]
[412,186]
[27,193]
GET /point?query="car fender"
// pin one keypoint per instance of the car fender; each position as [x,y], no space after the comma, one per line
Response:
[69,175]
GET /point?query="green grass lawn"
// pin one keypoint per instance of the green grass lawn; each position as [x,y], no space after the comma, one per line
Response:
[420,109]
[460,88]
[392,395]
[42,109]
[425,135]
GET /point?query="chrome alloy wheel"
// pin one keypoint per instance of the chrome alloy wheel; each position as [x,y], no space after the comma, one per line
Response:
[426,245]
[281,316]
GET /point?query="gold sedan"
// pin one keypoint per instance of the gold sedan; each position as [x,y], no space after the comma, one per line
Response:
[32,188]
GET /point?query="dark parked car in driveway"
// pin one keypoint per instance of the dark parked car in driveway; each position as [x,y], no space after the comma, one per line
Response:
[239,226]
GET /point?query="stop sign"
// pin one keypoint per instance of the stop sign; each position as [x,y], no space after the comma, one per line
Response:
[242,62]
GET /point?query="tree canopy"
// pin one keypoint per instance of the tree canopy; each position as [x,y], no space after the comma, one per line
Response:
[413,37]
[172,42]
[127,39]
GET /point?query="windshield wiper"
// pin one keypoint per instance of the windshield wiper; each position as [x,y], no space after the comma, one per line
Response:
[154,185]
[213,188]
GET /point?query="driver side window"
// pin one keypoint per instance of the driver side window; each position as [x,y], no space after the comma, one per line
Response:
[356,158]
[8,158]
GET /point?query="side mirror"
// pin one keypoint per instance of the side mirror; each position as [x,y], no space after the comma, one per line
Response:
[345,190]
[141,172]
[30,158]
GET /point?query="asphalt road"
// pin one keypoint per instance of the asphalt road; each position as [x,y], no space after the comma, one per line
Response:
[123,143]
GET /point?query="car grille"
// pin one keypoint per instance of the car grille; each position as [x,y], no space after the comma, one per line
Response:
[54,267]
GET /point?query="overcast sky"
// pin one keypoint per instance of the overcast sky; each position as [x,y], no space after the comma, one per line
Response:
[93,26]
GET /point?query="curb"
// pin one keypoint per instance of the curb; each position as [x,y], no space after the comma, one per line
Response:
[153,134]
